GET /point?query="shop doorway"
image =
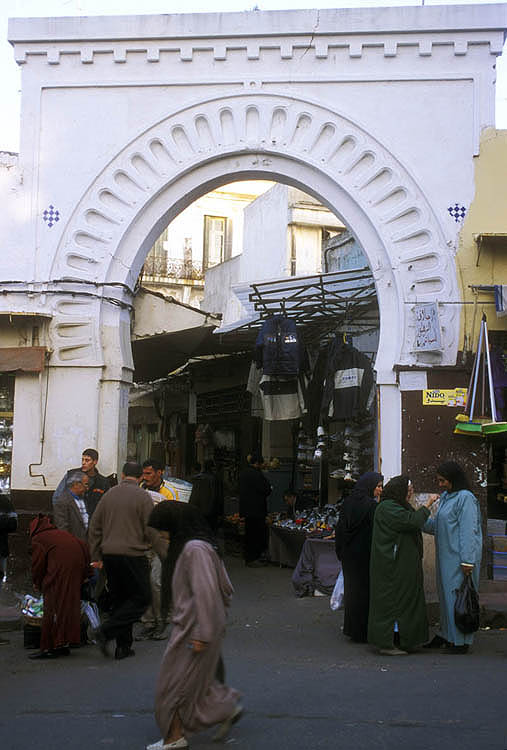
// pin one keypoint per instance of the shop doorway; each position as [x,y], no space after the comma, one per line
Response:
[273,230]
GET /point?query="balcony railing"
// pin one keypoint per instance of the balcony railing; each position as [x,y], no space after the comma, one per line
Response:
[172,268]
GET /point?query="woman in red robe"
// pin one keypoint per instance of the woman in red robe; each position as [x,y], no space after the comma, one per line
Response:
[60,565]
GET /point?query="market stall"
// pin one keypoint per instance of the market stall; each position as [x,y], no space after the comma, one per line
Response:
[317,568]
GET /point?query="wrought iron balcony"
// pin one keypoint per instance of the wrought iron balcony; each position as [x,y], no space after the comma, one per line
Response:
[160,268]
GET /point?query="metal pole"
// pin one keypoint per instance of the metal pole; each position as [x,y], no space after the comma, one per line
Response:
[476,372]
[490,377]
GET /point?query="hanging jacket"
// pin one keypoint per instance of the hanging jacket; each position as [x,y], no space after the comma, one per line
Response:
[278,349]
[348,388]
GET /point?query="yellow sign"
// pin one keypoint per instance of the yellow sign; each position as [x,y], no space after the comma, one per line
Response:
[445,397]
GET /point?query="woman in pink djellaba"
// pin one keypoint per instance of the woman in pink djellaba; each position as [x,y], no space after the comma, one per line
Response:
[189,698]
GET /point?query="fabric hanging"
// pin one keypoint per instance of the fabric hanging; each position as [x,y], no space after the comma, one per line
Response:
[349,385]
[501,300]
[278,349]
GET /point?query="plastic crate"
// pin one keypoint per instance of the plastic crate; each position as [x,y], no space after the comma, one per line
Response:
[499,543]
[499,573]
[496,526]
[499,559]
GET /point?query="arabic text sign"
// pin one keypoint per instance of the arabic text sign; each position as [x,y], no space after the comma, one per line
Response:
[445,397]
[427,328]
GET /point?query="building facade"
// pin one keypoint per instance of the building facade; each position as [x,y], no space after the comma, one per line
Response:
[127,121]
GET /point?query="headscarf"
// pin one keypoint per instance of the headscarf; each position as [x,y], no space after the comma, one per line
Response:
[184,523]
[396,489]
[41,523]
[454,474]
[356,505]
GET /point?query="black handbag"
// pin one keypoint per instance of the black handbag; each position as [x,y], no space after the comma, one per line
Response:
[466,607]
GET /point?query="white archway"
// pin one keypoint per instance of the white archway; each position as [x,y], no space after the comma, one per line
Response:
[274,136]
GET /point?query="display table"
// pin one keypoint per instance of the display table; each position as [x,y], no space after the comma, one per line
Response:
[285,545]
[317,568]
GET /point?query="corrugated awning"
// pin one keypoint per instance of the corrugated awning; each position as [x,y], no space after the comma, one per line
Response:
[22,358]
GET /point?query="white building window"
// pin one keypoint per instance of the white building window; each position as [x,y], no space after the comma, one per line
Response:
[217,243]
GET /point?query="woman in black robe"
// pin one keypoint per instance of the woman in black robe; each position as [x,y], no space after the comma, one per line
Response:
[353,544]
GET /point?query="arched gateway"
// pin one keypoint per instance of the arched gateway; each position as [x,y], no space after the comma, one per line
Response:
[380,125]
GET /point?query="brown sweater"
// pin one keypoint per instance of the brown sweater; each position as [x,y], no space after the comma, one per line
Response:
[119,524]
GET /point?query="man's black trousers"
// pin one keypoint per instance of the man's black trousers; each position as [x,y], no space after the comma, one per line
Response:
[256,538]
[128,581]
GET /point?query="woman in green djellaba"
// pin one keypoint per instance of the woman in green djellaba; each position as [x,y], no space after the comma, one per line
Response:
[397,619]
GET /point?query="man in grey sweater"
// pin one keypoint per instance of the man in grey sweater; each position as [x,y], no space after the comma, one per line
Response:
[119,537]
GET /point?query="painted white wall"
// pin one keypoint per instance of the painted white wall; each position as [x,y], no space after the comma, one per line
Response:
[127,121]
[265,253]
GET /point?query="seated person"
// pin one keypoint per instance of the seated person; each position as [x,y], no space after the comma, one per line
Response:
[295,502]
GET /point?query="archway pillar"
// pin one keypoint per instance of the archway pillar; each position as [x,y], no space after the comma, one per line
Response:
[389,430]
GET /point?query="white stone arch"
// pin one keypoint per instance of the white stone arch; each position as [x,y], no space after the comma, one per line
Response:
[268,135]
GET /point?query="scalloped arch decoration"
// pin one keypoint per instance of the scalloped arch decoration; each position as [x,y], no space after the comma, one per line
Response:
[411,248]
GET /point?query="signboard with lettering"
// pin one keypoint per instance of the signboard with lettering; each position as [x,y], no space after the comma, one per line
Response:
[427,328]
[445,397]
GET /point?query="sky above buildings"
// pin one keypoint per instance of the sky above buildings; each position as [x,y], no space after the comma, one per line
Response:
[10,75]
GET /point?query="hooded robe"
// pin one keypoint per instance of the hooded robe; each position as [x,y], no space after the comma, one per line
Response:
[60,564]
[396,573]
[353,544]
[458,539]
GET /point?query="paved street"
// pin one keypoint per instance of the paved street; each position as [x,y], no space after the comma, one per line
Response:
[304,687]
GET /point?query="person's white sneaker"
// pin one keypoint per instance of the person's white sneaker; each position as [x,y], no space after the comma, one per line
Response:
[225,727]
[160,745]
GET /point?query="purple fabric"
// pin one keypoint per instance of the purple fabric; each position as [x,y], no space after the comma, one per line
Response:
[317,568]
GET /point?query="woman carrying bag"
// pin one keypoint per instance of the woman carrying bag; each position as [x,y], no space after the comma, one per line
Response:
[458,545]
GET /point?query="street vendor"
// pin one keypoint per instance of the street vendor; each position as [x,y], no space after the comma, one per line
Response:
[295,503]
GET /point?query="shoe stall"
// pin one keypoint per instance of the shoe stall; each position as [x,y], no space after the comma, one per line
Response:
[312,387]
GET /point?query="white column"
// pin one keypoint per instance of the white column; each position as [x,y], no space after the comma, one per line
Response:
[390,436]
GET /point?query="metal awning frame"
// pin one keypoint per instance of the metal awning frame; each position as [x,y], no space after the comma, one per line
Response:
[322,303]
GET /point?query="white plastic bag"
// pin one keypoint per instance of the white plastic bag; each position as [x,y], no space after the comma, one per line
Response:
[91,612]
[336,601]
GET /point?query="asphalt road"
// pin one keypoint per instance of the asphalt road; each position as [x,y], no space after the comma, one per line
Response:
[304,687]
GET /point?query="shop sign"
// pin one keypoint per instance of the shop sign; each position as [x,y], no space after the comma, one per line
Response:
[427,328]
[445,397]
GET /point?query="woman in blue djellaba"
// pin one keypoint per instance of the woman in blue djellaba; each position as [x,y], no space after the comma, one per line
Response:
[458,545]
